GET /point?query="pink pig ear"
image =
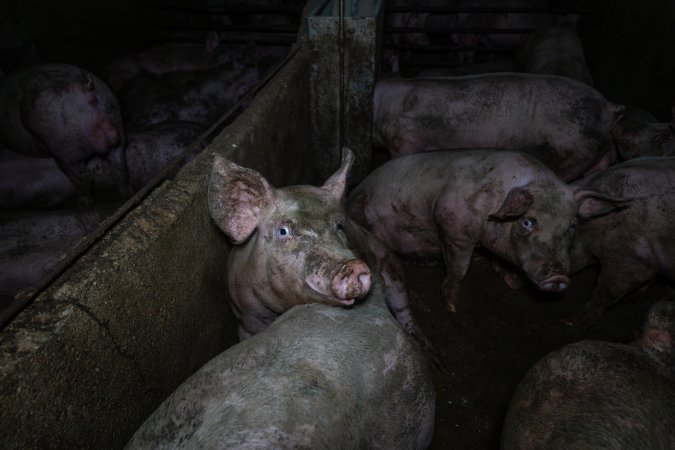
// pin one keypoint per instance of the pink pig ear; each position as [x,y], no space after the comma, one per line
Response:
[593,204]
[517,201]
[237,196]
[337,182]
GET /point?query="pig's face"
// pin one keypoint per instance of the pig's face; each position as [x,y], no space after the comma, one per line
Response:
[294,248]
[542,220]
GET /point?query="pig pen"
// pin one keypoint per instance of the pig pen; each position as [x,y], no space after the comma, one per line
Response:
[145,306]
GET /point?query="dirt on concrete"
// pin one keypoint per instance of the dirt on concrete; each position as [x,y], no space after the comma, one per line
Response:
[497,334]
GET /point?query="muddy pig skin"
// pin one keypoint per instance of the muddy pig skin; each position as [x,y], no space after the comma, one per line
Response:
[200,96]
[600,395]
[561,121]
[63,112]
[555,50]
[636,135]
[27,182]
[634,244]
[319,377]
[444,203]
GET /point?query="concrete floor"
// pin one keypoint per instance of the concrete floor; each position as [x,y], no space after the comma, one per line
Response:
[496,336]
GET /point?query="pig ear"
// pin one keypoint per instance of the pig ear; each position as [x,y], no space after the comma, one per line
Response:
[593,204]
[337,183]
[517,201]
[237,196]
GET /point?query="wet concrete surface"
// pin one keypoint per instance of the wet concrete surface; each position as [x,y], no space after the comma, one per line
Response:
[497,334]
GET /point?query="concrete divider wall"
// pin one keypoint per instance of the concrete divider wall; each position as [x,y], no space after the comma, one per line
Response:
[145,306]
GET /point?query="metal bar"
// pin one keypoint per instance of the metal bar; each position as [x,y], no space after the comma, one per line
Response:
[458,30]
[450,48]
[487,10]
[241,9]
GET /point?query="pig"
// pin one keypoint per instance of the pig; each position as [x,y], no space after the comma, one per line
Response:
[632,245]
[200,96]
[639,134]
[445,203]
[555,50]
[38,183]
[34,242]
[495,65]
[594,394]
[319,377]
[64,112]
[298,245]
[165,58]
[561,121]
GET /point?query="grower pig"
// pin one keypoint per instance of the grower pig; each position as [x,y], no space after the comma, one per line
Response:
[317,378]
[635,135]
[634,244]
[594,394]
[63,112]
[555,50]
[27,182]
[296,247]
[165,58]
[200,96]
[563,122]
[440,203]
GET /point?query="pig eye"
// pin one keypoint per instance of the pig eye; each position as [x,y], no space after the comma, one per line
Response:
[527,224]
[284,231]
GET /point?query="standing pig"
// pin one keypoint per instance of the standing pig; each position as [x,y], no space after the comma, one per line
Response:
[63,112]
[594,394]
[634,244]
[554,50]
[445,203]
[317,378]
[294,247]
[637,135]
[200,96]
[563,122]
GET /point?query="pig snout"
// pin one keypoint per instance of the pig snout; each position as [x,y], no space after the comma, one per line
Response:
[351,281]
[554,283]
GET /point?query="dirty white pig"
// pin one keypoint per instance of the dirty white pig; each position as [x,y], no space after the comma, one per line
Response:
[319,377]
[561,121]
[555,50]
[63,112]
[296,245]
[594,394]
[443,204]
[165,58]
[200,96]
[638,134]
[33,243]
[634,244]
[28,182]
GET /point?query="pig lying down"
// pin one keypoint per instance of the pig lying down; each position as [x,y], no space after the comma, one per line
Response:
[63,112]
[564,123]
[594,394]
[633,245]
[445,203]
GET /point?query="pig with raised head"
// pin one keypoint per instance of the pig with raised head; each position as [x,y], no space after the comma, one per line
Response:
[561,121]
[63,112]
[445,203]
[594,394]
[296,245]
[640,134]
[634,244]
[319,377]
[555,50]
[199,96]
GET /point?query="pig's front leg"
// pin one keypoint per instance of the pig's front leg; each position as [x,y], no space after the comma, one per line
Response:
[457,258]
